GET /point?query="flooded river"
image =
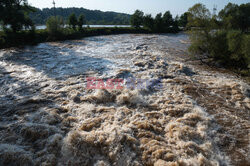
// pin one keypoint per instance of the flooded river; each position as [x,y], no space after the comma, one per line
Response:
[199,116]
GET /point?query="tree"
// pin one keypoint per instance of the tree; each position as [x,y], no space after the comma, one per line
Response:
[175,26]
[167,19]
[159,26]
[72,21]
[199,20]
[244,17]
[236,17]
[137,19]
[81,21]
[199,16]
[148,22]
[55,26]
[15,14]
[183,20]
[230,16]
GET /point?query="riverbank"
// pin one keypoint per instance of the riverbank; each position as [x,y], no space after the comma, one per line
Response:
[23,38]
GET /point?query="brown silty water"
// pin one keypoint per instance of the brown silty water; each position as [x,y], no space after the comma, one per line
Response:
[200,116]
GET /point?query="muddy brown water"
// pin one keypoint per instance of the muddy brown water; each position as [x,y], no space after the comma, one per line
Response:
[200,116]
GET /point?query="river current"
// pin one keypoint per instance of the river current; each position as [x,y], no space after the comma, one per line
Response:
[199,116]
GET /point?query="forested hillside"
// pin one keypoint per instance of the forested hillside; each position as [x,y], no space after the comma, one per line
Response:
[92,16]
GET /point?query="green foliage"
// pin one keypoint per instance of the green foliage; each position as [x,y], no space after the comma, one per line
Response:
[236,17]
[199,16]
[238,45]
[218,47]
[15,14]
[55,27]
[92,16]
[137,19]
[81,21]
[183,20]
[225,41]
[159,25]
[167,19]
[37,36]
[199,42]
[148,22]
[72,21]
[246,49]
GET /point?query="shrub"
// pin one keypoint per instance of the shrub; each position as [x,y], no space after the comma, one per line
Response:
[199,42]
[218,47]
[246,50]
[55,27]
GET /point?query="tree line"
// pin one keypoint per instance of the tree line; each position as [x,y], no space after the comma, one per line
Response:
[93,17]
[161,23]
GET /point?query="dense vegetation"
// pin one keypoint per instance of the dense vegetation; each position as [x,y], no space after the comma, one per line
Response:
[160,24]
[15,14]
[223,38]
[23,38]
[93,17]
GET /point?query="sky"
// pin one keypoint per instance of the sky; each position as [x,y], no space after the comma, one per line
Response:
[129,6]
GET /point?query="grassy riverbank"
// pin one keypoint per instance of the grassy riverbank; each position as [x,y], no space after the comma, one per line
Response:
[22,38]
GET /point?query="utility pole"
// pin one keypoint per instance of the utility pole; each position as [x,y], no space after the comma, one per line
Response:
[54,8]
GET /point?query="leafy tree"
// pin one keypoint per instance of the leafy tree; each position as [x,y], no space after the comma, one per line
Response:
[244,17]
[236,17]
[175,24]
[167,19]
[148,22]
[137,19]
[199,16]
[159,25]
[183,20]
[72,21]
[230,16]
[15,14]
[81,21]
[199,19]
[55,26]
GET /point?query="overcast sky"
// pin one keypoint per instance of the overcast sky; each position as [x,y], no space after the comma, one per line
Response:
[129,6]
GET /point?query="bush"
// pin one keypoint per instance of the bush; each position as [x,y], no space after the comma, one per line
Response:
[55,27]
[2,40]
[229,48]
[246,50]
[199,42]
[218,47]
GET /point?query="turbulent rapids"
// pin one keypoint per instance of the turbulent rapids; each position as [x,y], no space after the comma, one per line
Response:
[200,116]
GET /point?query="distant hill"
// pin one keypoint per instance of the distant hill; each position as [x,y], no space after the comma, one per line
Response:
[93,17]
